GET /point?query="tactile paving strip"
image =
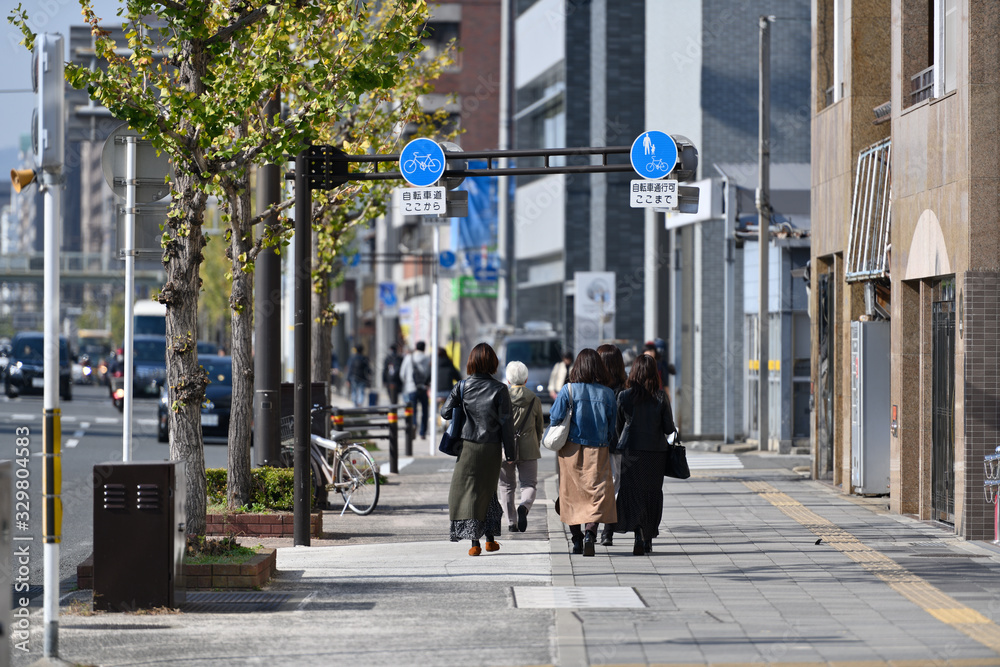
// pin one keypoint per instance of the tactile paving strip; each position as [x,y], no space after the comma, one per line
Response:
[576,597]
[233,603]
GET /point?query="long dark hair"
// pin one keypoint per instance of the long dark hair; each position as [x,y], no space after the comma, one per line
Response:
[615,365]
[643,380]
[588,368]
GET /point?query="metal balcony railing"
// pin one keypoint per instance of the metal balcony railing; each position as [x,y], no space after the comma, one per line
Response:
[867,246]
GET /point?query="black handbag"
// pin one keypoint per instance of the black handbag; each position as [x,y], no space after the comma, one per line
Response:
[677,464]
[451,439]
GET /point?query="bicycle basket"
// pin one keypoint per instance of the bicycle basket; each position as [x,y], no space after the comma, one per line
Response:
[287,428]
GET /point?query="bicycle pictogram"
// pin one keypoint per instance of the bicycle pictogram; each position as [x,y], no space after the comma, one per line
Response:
[656,164]
[423,162]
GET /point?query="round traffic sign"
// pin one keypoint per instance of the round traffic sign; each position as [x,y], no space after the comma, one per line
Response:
[421,162]
[447,259]
[152,171]
[653,154]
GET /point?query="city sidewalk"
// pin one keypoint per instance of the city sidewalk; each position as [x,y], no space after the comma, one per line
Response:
[754,565]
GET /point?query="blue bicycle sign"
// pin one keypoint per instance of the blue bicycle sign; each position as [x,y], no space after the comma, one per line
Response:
[421,162]
[653,154]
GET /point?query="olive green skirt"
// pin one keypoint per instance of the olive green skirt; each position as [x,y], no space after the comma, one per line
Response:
[473,506]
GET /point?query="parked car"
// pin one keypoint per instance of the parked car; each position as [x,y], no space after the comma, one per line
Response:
[25,366]
[149,364]
[214,409]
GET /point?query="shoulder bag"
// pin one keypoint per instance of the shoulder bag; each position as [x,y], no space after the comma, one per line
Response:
[451,439]
[677,465]
[556,436]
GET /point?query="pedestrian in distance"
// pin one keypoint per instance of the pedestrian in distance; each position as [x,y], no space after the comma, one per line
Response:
[448,376]
[614,363]
[559,373]
[528,428]
[487,439]
[359,376]
[390,373]
[586,488]
[415,372]
[644,420]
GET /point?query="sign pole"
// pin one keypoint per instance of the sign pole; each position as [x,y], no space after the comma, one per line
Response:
[435,307]
[52,426]
[130,180]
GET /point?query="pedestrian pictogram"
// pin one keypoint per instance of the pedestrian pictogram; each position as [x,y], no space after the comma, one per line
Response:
[653,154]
[421,162]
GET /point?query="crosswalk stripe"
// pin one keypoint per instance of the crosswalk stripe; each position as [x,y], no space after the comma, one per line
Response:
[710,461]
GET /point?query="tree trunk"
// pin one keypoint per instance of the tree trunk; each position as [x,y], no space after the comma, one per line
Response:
[182,256]
[238,480]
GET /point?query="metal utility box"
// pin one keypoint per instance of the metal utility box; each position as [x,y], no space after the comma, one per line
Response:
[870,411]
[139,535]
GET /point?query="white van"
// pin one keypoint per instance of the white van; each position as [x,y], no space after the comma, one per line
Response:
[149,317]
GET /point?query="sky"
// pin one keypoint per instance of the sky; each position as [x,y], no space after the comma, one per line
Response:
[54,16]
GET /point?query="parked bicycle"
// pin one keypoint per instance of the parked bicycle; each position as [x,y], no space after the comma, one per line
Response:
[340,464]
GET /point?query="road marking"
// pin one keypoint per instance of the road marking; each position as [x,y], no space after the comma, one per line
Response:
[22,417]
[69,419]
[108,420]
[710,461]
[72,442]
[931,599]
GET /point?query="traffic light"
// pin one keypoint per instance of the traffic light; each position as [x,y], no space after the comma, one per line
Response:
[687,159]
[49,117]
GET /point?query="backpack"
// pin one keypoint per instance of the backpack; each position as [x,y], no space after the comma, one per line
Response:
[420,377]
[520,424]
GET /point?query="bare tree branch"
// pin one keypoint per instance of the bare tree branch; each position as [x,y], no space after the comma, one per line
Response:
[247,19]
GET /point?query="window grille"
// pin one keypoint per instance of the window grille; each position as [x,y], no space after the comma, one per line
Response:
[922,85]
[867,247]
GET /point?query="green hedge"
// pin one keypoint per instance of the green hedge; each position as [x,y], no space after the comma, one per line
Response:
[273,488]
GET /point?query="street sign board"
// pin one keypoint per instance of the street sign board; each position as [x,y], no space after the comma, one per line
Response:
[421,162]
[653,194]
[447,258]
[653,154]
[422,201]
[152,171]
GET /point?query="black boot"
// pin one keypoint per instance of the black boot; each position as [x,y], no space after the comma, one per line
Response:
[638,548]
[607,535]
[589,539]
[577,537]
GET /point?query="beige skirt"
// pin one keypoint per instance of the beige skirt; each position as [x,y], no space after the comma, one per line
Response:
[586,490]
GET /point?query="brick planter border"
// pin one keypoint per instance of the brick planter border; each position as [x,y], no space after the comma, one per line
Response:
[260,525]
[252,574]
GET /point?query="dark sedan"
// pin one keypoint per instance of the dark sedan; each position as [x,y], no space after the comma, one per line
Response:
[25,366]
[218,399]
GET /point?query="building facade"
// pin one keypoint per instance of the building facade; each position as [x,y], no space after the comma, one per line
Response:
[905,175]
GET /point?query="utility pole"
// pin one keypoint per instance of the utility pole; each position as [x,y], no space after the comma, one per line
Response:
[763,227]
[504,241]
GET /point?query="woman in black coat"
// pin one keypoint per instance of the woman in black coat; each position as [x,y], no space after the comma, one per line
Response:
[644,421]
[487,440]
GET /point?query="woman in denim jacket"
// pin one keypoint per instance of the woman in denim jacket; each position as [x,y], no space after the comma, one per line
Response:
[586,489]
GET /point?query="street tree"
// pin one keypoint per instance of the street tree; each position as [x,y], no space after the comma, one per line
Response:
[189,79]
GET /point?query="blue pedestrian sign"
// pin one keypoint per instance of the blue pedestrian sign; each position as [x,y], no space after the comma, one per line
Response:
[387,295]
[654,154]
[421,162]
[447,259]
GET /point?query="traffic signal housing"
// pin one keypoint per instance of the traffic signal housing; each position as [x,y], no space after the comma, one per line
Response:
[49,118]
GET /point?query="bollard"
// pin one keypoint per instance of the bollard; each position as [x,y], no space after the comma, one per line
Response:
[393,441]
[991,487]
[410,428]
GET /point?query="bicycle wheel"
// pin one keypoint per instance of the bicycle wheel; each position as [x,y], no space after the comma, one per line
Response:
[408,167]
[357,479]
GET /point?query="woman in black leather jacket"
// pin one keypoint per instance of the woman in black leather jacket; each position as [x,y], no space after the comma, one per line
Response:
[488,438]
[644,421]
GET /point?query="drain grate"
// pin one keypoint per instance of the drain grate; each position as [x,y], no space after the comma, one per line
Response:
[576,597]
[213,602]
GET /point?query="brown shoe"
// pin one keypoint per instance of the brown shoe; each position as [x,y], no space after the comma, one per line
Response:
[476,550]
[492,546]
